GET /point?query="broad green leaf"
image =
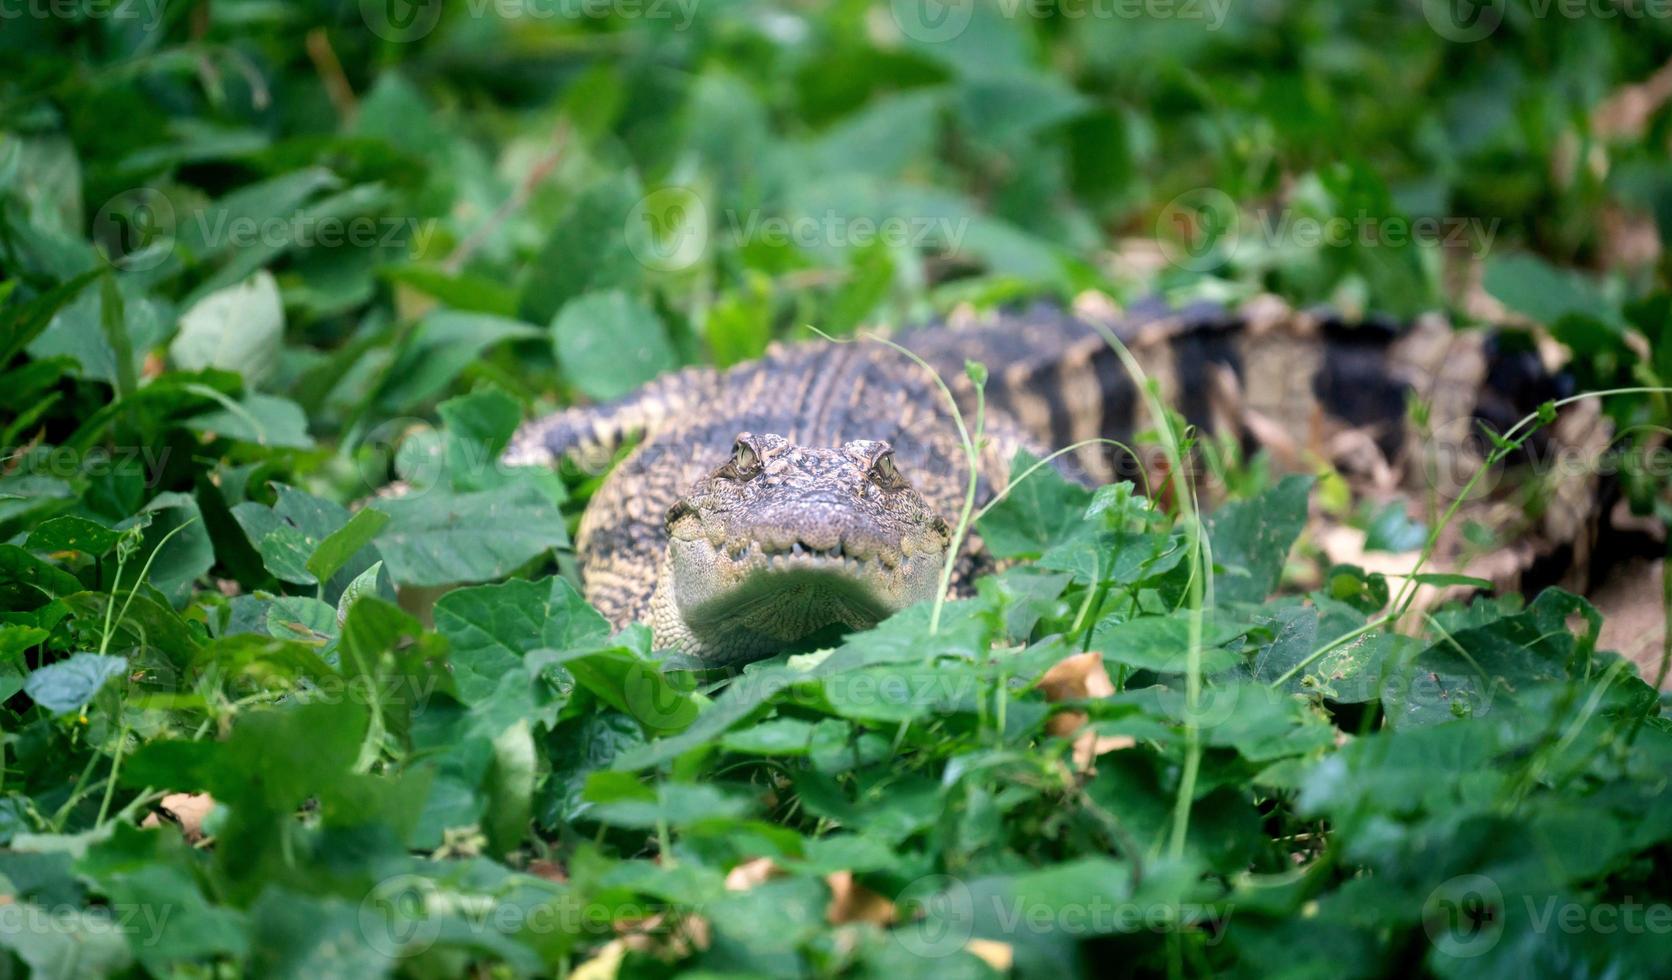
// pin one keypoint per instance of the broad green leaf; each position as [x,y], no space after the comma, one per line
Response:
[1162,643]
[65,686]
[588,250]
[492,628]
[239,328]
[1037,513]
[1251,539]
[74,534]
[265,420]
[610,343]
[340,545]
[439,538]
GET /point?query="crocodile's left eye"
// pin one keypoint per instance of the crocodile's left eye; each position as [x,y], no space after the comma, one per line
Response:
[886,473]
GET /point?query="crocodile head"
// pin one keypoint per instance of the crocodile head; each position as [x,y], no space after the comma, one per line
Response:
[786,541]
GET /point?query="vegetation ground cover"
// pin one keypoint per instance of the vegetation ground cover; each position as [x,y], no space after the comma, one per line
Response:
[259,260]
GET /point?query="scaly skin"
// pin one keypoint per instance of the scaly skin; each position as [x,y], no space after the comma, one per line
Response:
[783,541]
[1308,389]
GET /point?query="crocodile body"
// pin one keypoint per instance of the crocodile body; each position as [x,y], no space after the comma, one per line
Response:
[1304,386]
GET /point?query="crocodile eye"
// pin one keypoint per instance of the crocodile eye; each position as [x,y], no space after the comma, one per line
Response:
[745,461]
[885,472]
[680,508]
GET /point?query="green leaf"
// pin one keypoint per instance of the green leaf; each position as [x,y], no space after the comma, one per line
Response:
[627,681]
[672,804]
[1391,529]
[588,250]
[22,323]
[1039,512]
[74,534]
[65,686]
[1251,539]
[288,534]
[112,320]
[340,545]
[264,420]
[439,538]
[27,581]
[492,628]
[239,328]
[479,425]
[610,343]
[178,560]
[1530,285]
[1162,643]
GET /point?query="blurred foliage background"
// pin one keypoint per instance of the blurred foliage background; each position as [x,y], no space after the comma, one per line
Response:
[703,175]
[260,257]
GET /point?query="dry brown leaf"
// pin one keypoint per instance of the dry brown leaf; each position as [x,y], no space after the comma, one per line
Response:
[669,937]
[1634,613]
[605,965]
[999,956]
[188,810]
[751,873]
[853,902]
[549,870]
[1625,115]
[1081,675]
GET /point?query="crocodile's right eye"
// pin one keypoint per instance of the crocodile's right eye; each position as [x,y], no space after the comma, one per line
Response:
[680,508]
[745,461]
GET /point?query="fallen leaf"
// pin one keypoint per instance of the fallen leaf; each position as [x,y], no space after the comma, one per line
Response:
[1074,678]
[853,902]
[188,810]
[999,956]
[605,965]
[751,873]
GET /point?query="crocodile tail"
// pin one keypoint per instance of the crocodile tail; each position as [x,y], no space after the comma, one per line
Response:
[1310,388]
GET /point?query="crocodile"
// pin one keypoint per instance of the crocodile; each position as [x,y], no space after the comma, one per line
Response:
[811,489]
